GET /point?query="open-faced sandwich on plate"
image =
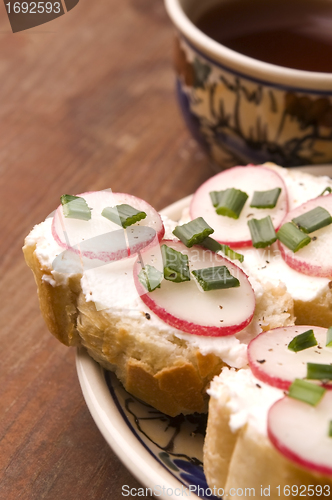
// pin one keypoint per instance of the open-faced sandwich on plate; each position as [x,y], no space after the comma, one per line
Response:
[166,305]
[269,426]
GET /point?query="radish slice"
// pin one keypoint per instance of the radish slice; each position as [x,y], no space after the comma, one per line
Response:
[186,307]
[100,238]
[300,432]
[272,362]
[314,259]
[235,232]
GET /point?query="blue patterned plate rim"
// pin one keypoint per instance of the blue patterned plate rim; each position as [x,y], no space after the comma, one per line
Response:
[169,475]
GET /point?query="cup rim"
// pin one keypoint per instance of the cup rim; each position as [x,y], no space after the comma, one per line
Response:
[245,64]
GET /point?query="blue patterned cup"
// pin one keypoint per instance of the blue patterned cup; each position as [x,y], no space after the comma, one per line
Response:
[243,110]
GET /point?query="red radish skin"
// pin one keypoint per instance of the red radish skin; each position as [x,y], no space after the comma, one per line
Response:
[235,232]
[102,239]
[272,362]
[186,307]
[315,259]
[300,432]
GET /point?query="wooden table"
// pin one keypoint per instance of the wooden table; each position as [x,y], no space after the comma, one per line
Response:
[87,102]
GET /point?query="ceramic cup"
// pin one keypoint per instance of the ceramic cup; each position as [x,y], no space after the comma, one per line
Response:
[243,110]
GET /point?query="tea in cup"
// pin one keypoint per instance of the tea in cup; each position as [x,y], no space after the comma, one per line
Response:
[254,78]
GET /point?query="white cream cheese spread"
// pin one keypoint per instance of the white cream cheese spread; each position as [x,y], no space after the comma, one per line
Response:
[248,399]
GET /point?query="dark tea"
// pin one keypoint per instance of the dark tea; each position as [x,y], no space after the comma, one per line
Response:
[292,33]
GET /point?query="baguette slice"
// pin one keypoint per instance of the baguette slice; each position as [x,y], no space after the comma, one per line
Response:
[160,365]
[237,451]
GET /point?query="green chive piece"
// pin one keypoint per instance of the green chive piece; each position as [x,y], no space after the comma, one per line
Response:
[231,254]
[329,337]
[75,207]
[215,246]
[313,220]
[330,429]
[262,232]
[212,244]
[229,202]
[176,267]
[292,237]
[150,277]
[265,199]
[306,392]
[123,215]
[194,232]
[326,190]
[67,198]
[317,371]
[303,341]
[215,278]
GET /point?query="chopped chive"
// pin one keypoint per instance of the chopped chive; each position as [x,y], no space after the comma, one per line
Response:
[75,207]
[215,278]
[262,232]
[215,196]
[326,190]
[313,220]
[231,254]
[212,244]
[317,371]
[176,266]
[229,202]
[150,277]
[265,199]
[123,215]
[329,337]
[292,237]
[306,392]
[215,246]
[330,429]
[194,232]
[303,341]
[67,198]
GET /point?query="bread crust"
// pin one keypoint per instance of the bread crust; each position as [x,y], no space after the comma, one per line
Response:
[57,303]
[219,442]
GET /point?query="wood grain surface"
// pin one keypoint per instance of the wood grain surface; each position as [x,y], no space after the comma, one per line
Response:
[87,102]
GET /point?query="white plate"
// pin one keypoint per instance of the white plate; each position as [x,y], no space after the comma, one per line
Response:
[163,453]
